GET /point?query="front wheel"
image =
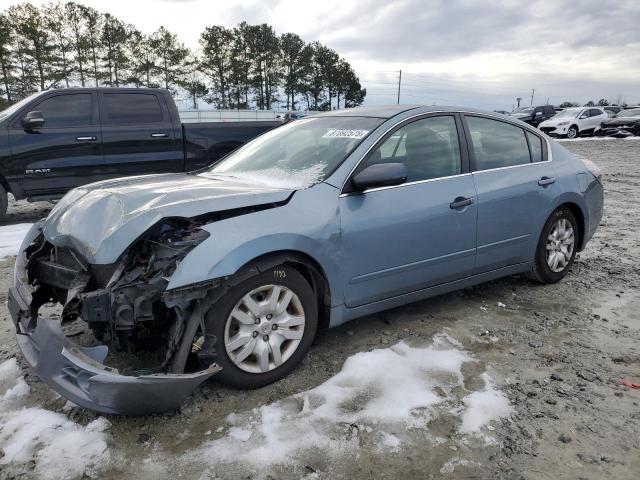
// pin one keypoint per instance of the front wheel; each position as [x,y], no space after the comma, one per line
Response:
[572,132]
[261,328]
[556,248]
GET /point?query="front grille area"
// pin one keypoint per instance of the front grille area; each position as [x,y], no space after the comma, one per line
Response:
[548,129]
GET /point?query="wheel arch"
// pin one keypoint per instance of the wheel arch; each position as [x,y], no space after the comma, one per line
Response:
[308,267]
[577,212]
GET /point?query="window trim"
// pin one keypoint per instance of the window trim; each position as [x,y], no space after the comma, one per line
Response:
[103,110]
[464,154]
[546,150]
[95,120]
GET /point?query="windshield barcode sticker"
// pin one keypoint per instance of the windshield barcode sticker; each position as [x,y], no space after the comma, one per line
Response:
[334,133]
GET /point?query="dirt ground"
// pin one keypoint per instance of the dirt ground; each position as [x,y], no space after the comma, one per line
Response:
[558,352]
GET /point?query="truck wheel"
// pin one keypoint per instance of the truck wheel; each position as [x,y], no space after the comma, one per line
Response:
[4,202]
[261,328]
[572,132]
[556,248]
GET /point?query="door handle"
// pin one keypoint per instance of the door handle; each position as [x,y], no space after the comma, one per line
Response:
[159,135]
[461,202]
[544,181]
[86,139]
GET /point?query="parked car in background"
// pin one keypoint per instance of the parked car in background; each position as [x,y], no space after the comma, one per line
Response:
[615,109]
[57,140]
[291,116]
[572,122]
[232,270]
[624,124]
[534,115]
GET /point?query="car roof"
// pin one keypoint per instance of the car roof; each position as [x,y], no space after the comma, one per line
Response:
[388,111]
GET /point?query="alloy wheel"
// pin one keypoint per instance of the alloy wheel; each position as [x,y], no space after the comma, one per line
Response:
[264,328]
[560,245]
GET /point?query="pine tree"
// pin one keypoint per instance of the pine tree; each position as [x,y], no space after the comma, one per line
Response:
[6,64]
[171,55]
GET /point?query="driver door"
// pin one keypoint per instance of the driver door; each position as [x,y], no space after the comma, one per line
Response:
[57,156]
[418,234]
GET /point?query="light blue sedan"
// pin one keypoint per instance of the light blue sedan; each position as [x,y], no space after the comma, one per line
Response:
[232,270]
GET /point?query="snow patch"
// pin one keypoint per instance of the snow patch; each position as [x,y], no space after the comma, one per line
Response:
[382,395]
[277,177]
[11,237]
[59,447]
[483,407]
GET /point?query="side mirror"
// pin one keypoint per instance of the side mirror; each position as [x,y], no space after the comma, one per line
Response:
[33,120]
[380,175]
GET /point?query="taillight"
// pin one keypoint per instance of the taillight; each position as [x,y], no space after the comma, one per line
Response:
[593,168]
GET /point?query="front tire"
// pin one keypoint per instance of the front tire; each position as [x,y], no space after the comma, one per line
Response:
[572,132]
[261,328]
[556,248]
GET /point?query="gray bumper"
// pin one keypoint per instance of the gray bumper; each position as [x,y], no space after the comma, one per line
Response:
[78,374]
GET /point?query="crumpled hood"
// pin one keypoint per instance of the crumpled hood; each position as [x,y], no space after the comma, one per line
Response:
[99,221]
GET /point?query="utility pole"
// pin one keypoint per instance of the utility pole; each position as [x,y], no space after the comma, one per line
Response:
[533,91]
[399,83]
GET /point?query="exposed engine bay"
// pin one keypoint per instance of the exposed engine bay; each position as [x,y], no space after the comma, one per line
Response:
[122,303]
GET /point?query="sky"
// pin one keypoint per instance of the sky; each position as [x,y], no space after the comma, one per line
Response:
[481,54]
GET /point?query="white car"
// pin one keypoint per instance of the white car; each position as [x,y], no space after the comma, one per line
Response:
[572,122]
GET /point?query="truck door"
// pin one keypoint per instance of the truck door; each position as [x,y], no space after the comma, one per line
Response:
[138,135]
[56,157]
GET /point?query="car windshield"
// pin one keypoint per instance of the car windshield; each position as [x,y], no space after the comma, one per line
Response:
[299,154]
[523,110]
[632,112]
[568,113]
[7,112]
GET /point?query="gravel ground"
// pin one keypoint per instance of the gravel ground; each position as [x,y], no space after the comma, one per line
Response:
[557,352]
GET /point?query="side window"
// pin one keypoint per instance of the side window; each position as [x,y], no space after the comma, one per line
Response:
[429,148]
[497,144]
[535,144]
[131,108]
[584,114]
[66,110]
[595,112]
[549,110]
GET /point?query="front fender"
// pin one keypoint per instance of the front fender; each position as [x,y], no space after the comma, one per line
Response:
[308,224]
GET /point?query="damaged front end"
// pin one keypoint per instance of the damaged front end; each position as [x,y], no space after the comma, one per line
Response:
[154,337]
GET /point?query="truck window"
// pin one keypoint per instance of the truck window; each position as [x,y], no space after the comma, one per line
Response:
[131,108]
[66,110]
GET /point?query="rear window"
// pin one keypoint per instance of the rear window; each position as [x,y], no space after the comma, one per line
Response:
[132,108]
[497,144]
[535,144]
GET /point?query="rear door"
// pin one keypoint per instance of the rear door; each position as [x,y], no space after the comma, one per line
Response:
[62,153]
[516,186]
[138,134]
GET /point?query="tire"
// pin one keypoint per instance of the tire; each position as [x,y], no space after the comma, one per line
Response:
[572,132]
[543,270]
[221,328]
[4,202]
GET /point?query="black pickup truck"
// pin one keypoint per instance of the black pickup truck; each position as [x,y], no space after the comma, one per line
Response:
[56,140]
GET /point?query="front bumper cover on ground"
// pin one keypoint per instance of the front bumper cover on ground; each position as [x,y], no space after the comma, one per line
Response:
[78,373]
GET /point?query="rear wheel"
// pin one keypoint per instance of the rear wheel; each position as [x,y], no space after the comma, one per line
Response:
[556,249]
[572,132]
[262,328]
